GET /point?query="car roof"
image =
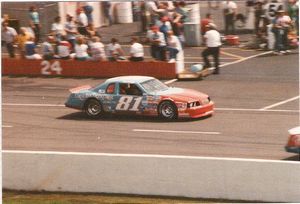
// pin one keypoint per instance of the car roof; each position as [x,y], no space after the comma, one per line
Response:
[129,79]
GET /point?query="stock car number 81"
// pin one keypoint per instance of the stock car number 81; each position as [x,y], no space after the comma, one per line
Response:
[141,95]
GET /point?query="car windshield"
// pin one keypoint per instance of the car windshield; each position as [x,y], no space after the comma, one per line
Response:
[154,85]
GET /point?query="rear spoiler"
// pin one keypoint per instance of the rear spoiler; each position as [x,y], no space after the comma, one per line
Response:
[79,88]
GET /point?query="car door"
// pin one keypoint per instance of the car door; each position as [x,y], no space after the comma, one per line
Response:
[109,98]
[129,98]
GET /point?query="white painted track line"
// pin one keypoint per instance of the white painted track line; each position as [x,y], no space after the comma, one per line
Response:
[174,131]
[255,110]
[221,109]
[246,58]
[141,156]
[7,126]
[280,103]
[33,104]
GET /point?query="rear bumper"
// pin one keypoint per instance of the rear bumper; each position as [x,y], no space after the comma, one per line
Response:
[74,103]
[72,106]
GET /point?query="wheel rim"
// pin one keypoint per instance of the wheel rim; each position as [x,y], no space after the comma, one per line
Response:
[94,108]
[167,111]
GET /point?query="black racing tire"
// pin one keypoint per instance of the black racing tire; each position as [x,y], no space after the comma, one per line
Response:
[93,108]
[167,110]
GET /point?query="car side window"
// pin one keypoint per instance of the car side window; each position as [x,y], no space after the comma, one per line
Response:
[130,89]
[110,89]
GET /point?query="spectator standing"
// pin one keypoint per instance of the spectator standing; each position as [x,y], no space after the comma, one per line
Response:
[106,11]
[174,46]
[230,10]
[293,11]
[71,30]
[144,17]
[181,9]
[258,13]
[9,36]
[35,23]
[204,22]
[30,52]
[81,48]
[63,49]
[158,44]
[136,50]
[82,22]
[23,37]
[280,28]
[286,24]
[47,48]
[57,29]
[151,12]
[177,24]
[165,27]
[88,10]
[213,43]
[115,52]
[97,50]
[181,12]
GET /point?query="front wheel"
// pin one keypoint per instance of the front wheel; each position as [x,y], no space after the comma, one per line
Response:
[93,108]
[167,110]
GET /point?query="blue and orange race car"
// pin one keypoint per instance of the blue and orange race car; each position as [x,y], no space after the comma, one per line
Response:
[140,95]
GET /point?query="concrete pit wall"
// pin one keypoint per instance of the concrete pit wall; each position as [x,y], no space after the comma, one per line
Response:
[200,177]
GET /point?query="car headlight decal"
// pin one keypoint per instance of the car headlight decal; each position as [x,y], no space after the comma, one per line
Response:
[181,106]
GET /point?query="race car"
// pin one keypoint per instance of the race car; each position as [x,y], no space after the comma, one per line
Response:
[140,95]
[293,144]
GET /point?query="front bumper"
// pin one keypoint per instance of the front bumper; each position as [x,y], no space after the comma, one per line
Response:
[292,149]
[199,111]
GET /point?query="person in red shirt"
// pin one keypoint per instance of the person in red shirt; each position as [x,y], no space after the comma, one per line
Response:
[204,22]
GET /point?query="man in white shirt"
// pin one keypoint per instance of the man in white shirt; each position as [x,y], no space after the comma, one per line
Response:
[136,51]
[152,11]
[174,46]
[9,36]
[57,29]
[212,39]
[230,10]
[97,50]
[82,22]
[71,30]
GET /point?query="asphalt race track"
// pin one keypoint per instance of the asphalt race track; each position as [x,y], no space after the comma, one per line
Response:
[257,102]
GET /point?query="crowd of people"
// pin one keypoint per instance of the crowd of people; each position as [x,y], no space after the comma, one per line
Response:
[283,26]
[163,23]
[75,39]
[78,39]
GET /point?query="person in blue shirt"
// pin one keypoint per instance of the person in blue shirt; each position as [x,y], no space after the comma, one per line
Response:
[35,23]
[30,52]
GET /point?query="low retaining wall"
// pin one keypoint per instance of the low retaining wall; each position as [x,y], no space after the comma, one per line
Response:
[73,68]
[251,180]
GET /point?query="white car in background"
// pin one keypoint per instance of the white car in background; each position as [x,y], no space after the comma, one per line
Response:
[293,144]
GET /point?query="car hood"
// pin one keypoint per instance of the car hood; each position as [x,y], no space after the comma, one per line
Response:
[181,94]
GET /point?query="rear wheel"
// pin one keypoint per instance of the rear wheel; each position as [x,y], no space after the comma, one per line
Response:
[93,108]
[167,110]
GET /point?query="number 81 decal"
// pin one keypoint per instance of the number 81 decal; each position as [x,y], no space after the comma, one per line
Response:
[129,103]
